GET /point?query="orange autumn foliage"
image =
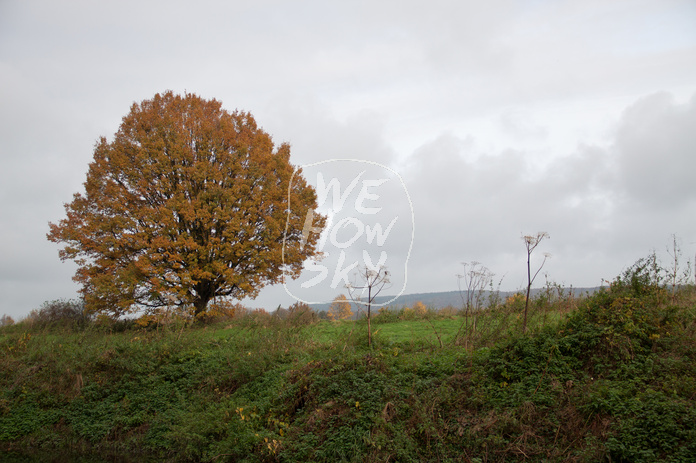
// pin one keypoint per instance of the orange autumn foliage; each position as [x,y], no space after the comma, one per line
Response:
[420,308]
[188,202]
[340,308]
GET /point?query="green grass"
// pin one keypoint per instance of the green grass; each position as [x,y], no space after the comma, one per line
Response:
[418,331]
[611,377]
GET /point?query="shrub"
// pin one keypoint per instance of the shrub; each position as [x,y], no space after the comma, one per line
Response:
[165,317]
[387,315]
[516,300]
[643,278]
[221,311]
[300,314]
[258,318]
[654,427]
[60,312]
[6,320]
[407,313]
[448,312]
[420,309]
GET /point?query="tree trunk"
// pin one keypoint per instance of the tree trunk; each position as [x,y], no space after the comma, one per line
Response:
[203,296]
[200,305]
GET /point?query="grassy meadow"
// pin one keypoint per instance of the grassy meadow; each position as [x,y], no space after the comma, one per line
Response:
[605,377]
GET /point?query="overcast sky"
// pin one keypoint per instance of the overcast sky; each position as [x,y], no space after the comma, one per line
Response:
[488,120]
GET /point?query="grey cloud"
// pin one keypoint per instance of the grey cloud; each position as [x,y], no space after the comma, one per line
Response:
[477,210]
[655,147]
[315,134]
[491,112]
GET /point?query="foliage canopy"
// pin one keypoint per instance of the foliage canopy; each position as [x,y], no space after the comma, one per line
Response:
[189,202]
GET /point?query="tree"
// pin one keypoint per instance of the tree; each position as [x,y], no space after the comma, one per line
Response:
[531,242]
[372,281]
[340,308]
[187,203]
[420,309]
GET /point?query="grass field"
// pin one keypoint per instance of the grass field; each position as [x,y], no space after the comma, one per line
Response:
[608,377]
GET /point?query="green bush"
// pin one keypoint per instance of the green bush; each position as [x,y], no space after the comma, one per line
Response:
[653,427]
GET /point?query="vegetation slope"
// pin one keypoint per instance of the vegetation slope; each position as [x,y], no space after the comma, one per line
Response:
[607,377]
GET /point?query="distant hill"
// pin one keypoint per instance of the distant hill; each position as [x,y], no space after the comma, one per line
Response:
[444,299]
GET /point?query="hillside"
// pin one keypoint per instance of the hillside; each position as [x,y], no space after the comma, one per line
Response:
[608,377]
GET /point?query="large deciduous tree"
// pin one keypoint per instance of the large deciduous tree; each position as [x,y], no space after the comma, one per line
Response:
[187,203]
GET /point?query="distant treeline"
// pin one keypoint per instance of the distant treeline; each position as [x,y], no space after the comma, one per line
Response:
[454,299]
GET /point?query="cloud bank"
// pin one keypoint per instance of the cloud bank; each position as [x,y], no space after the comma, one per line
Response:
[503,118]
